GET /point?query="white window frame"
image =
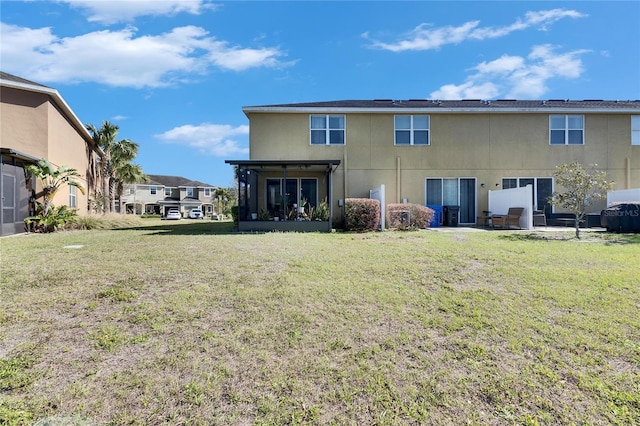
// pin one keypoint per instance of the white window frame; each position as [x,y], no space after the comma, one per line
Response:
[566,129]
[635,130]
[167,192]
[207,192]
[328,129]
[412,130]
[190,192]
[153,190]
[73,197]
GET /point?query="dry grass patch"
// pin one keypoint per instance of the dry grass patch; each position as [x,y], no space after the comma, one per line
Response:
[172,323]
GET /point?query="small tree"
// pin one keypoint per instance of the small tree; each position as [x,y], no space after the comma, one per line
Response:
[52,179]
[580,188]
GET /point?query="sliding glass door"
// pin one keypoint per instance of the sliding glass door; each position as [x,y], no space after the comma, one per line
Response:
[453,192]
[297,191]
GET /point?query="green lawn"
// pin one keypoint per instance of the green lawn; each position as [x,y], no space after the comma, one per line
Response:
[188,323]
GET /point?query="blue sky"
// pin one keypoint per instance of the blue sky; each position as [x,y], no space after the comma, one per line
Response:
[174,75]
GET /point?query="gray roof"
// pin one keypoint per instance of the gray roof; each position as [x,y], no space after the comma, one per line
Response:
[512,105]
[16,79]
[176,181]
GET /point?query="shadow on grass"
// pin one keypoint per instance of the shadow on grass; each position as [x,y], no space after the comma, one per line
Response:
[185,227]
[607,238]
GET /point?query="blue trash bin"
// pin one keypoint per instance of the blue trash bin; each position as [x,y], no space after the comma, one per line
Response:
[436,220]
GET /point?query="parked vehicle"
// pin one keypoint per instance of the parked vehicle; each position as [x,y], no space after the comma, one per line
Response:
[173,214]
[196,214]
[624,217]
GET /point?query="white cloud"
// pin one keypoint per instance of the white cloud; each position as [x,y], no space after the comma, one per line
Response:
[121,58]
[214,139]
[516,76]
[426,37]
[468,90]
[112,11]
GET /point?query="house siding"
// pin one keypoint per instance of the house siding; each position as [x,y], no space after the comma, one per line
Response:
[33,125]
[484,145]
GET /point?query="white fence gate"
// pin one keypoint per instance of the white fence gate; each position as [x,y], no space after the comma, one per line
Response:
[378,194]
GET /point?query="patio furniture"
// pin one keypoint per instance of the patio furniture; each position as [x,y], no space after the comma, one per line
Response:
[511,218]
[539,218]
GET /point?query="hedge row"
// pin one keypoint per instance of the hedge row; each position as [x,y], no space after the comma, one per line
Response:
[362,214]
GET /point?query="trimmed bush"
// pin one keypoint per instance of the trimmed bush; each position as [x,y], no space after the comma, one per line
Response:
[409,216]
[362,214]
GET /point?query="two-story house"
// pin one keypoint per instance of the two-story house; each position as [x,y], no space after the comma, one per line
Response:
[162,193]
[36,123]
[429,152]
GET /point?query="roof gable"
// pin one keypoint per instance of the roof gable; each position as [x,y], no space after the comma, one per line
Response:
[176,181]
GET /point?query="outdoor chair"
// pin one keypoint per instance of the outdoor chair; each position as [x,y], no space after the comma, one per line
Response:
[511,218]
[539,218]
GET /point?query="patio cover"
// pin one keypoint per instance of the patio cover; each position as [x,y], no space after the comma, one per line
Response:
[327,166]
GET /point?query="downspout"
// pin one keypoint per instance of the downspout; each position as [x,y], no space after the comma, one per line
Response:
[344,171]
[628,172]
[398,176]
[330,193]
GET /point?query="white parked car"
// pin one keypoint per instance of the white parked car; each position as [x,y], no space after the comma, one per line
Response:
[173,214]
[196,214]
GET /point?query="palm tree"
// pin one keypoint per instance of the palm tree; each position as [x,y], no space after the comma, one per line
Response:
[52,180]
[224,197]
[117,154]
[128,173]
[123,171]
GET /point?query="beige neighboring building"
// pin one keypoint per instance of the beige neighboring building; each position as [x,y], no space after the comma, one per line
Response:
[35,123]
[162,193]
[442,153]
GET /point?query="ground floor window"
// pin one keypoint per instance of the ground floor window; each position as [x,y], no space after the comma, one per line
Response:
[283,197]
[542,190]
[453,192]
[73,200]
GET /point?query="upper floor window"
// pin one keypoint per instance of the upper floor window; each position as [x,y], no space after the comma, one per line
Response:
[72,197]
[207,192]
[566,129]
[327,129]
[412,129]
[635,130]
[153,190]
[190,192]
[167,192]
[132,190]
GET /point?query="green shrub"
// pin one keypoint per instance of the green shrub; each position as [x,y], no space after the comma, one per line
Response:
[234,214]
[362,214]
[321,211]
[150,216]
[56,218]
[419,216]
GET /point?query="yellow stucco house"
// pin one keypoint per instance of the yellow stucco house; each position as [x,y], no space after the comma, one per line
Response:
[427,152]
[35,123]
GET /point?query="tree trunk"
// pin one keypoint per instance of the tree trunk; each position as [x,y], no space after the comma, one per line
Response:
[577,224]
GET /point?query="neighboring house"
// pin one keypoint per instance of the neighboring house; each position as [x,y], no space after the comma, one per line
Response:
[162,193]
[429,152]
[35,123]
